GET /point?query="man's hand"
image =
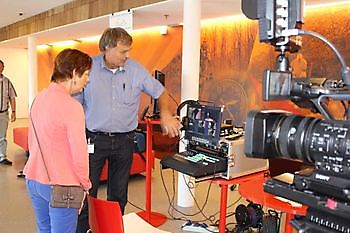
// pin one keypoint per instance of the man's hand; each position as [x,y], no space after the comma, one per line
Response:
[13,116]
[170,125]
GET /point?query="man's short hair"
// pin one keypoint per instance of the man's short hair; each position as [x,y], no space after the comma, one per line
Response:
[2,62]
[112,36]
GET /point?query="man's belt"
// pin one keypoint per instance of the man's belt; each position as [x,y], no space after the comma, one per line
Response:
[108,134]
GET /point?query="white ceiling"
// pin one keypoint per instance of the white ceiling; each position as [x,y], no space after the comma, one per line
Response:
[11,9]
[144,17]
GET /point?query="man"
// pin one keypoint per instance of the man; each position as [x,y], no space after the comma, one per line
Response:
[7,95]
[111,101]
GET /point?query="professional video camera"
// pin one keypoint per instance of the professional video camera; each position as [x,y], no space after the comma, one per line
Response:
[325,189]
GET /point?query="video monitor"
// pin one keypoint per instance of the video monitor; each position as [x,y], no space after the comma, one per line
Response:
[161,78]
[277,85]
[204,124]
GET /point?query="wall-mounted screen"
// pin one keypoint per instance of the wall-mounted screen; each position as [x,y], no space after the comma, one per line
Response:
[161,78]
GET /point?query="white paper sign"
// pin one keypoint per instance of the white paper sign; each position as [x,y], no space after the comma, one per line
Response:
[123,19]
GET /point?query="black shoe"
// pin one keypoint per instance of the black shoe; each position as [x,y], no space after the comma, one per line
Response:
[20,174]
[5,162]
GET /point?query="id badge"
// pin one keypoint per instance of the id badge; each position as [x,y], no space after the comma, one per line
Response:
[91,147]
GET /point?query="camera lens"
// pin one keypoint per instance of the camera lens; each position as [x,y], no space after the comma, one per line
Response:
[281,134]
[293,137]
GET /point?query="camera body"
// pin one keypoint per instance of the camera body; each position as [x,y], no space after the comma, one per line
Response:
[323,143]
[274,18]
[311,93]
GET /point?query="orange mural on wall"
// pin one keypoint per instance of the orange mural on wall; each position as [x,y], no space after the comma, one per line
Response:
[235,74]
[232,60]
[149,48]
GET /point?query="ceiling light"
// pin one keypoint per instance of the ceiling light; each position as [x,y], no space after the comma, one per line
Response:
[224,19]
[91,38]
[150,29]
[163,30]
[64,43]
[328,4]
[43,46]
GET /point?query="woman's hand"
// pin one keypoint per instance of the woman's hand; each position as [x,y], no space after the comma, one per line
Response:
[86,192]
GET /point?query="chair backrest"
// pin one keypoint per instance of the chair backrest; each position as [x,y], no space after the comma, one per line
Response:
[105,216]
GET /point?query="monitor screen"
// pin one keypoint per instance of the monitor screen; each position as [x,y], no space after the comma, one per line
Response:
[161,78]
[204,124]
[276,85]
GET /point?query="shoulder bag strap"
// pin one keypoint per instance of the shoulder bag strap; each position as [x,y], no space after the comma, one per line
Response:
[37,139]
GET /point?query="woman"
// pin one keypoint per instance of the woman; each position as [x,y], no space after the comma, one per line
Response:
[59,123]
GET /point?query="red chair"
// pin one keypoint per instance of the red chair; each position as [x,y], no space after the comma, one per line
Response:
[20,137]
[105,216]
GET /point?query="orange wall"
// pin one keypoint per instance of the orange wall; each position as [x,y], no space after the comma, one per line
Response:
[232,59]
[150,48]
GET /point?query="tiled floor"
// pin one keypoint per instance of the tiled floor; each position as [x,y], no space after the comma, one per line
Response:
[16,214]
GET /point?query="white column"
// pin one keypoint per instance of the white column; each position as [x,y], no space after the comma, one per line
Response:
[189,80]
[32,70]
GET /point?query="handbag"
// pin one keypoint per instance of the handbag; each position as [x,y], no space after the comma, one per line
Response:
[62,196]
[66,196]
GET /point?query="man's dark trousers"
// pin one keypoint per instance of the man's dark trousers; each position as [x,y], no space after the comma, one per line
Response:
[118,150]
